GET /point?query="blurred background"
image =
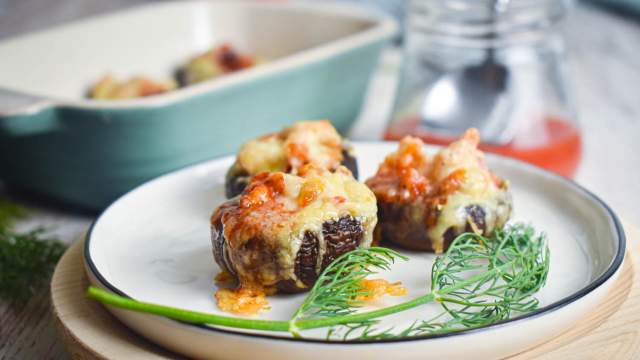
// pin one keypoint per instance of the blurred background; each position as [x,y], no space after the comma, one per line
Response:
[20,16]
[552,82]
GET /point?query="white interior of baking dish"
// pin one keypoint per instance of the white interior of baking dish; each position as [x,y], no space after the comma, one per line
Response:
[62,63]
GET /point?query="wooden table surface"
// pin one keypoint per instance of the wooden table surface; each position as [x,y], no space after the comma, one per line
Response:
[604,63]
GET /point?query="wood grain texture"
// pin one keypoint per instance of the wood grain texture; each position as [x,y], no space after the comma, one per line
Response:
[604,335]
[90,332]
[22,330]
[27,331]
[87,329]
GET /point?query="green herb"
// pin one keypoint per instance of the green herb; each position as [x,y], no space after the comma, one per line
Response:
[509,269]
[26,259]
[9,213]
[478,281]
[335,292]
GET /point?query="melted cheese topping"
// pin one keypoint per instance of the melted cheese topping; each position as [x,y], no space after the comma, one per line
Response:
[279,208]
[376,288]
[478,186]
[457,177]
[243,301]
[403,174]
[305,142]
[263,154]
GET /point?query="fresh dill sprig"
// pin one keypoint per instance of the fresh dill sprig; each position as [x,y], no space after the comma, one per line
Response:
[9,213]
[513,266]
[338,286]
[478,281]
[26,258]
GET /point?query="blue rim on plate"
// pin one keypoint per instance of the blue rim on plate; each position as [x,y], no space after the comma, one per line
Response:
[606,275]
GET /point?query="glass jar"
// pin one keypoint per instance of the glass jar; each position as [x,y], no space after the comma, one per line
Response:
[496,65]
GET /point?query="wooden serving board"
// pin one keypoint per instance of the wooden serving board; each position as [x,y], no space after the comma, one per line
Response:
[612,331]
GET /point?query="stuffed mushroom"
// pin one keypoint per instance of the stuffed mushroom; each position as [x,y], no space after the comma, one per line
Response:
[305,142]
[284,229]
[423,204]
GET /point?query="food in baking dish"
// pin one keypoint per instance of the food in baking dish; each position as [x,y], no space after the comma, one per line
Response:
[305,142]
[217,61]
[284,229]
[111,88]
[424,203]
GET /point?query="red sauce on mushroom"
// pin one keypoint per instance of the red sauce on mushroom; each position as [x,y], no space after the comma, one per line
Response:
[260,193]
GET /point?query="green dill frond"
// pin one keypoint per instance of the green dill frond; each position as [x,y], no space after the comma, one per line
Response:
[9,213]
[336,290]
[478,281]
[26,259]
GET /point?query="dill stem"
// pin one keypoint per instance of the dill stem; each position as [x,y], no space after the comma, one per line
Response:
[195,317]
[277,325]
[360,317]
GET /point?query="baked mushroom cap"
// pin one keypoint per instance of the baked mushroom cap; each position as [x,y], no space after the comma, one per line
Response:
[423,203]
[284,229]
[305,142]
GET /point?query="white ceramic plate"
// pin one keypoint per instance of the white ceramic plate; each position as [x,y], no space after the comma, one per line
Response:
[153,245]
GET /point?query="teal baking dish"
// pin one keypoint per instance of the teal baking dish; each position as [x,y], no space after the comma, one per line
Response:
[84,152]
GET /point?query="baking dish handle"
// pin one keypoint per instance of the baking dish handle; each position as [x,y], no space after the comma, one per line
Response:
[23,114]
